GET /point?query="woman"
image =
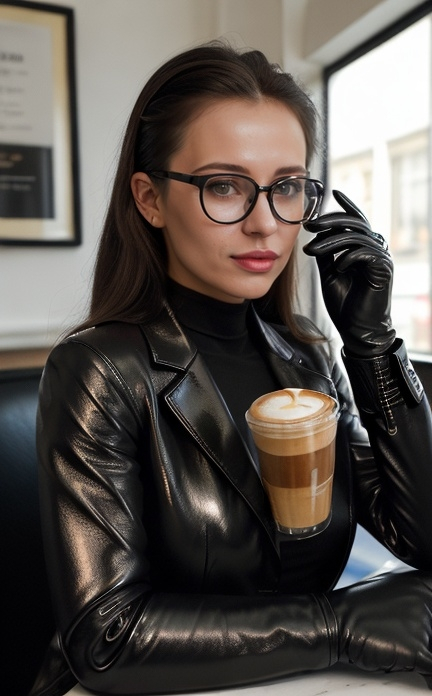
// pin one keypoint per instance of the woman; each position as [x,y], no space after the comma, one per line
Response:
[167,572]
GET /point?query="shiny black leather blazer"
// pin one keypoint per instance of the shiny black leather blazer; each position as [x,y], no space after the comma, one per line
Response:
[161,550]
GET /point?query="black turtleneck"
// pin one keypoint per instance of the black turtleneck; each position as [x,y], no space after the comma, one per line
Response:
[220,332]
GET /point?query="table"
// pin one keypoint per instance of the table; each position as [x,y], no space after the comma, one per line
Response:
[337,680]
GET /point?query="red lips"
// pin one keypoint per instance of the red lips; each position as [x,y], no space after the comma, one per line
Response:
[258,261]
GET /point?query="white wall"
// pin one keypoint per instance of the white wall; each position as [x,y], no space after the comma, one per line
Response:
[118,44]
[44,290]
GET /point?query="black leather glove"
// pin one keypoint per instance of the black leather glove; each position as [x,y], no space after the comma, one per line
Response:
[356,278]
[385,623]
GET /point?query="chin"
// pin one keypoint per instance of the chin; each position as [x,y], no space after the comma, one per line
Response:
[255,292]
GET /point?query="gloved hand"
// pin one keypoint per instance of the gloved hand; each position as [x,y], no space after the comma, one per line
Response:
[385,623]
[356,278]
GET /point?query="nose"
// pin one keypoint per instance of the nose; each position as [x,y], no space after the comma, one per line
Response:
[260,220]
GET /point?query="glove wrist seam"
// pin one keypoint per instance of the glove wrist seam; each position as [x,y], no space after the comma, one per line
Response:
[382,383]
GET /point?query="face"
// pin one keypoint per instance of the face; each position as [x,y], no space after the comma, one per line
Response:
[239,261]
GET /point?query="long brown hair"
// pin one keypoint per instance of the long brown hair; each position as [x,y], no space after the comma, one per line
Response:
[130,270]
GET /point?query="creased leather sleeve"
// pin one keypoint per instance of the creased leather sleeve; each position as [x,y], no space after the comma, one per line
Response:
[119,634]
[392,466]
[189,642]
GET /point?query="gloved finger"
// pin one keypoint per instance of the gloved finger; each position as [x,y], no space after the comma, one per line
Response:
[367,257]
[353,218]
[334,243]
[349,206]
[337,222]
[334,221]
[355,215]
[376,268]
[377,273]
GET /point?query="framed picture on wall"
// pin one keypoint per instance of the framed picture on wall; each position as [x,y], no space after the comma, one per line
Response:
[39,184]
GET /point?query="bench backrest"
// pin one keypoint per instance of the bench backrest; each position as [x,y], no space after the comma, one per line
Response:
[27,621]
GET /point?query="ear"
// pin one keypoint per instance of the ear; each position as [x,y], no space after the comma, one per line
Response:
[147,199]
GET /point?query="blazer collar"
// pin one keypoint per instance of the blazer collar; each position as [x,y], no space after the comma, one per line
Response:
[170,348]
[167,342]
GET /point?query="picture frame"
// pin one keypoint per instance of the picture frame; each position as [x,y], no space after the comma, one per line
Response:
[39,171]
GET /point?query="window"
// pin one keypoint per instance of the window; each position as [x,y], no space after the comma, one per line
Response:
[379,102]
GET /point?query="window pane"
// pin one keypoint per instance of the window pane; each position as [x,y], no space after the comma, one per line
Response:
[379,152]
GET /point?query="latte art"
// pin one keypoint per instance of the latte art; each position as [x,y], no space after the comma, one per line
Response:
[291,404]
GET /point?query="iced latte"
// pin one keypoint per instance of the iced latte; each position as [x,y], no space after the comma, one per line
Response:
[294,432]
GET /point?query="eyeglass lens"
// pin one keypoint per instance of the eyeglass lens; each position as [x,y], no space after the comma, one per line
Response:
[228,199]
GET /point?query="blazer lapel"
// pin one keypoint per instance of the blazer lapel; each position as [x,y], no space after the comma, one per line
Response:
[198,404]
[192,395]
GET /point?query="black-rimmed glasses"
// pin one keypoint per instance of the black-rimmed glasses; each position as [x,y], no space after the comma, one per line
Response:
[230,198]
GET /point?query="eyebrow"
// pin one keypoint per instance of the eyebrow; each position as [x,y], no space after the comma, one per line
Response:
[225,166]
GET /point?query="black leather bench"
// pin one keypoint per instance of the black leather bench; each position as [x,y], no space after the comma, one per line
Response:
[26,617]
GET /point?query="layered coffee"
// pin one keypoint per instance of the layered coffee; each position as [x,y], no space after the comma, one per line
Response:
[294,432]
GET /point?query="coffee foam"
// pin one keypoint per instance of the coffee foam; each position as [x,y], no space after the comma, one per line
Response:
[290,405]
[293,421]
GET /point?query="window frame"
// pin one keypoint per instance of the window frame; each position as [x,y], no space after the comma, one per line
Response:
[384,35]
